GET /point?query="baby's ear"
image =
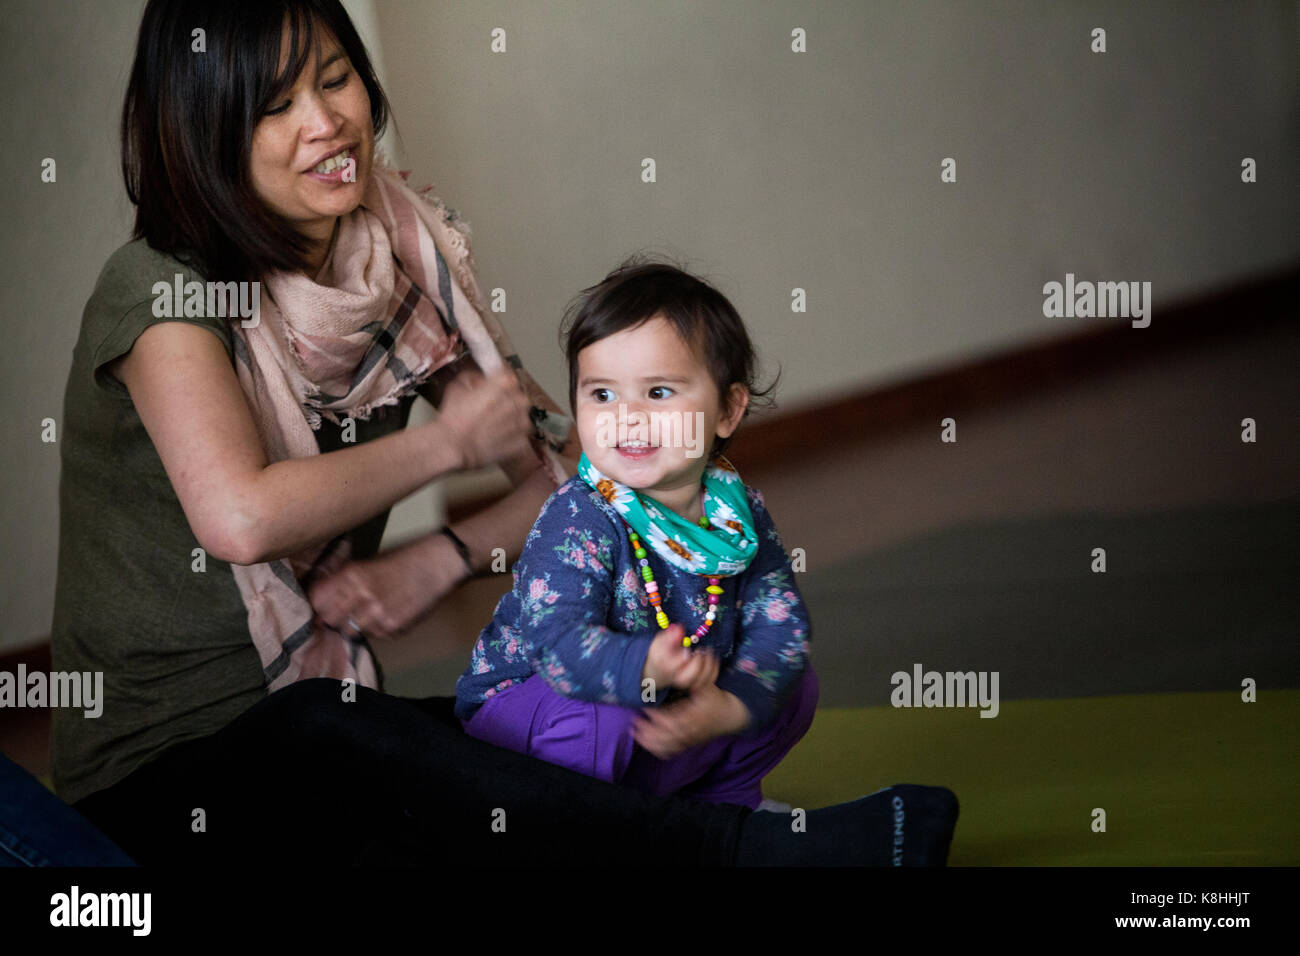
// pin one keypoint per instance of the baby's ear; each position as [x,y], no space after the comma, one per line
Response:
[737,402]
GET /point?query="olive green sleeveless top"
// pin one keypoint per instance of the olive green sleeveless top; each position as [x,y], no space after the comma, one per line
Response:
[172,643]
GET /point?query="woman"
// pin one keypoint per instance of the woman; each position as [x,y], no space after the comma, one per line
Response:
[226,482]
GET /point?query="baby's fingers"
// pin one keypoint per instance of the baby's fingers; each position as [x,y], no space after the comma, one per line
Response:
[681,666]
[700,670]
[658,733]
[710,667]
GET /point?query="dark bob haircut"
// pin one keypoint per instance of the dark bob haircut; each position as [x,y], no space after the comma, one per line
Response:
[188,122]
[641,288]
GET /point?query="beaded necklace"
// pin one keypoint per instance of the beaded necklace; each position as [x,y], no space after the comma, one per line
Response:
[714,589]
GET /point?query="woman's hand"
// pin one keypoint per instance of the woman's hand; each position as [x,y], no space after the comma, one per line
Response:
[486,417]
[385,595]
[709,712]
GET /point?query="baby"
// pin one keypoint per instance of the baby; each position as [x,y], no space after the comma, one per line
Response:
[654,635]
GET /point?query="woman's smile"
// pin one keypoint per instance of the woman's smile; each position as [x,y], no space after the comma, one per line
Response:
[335,165]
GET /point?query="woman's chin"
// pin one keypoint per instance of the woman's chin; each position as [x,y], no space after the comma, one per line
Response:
[339,205]
[329,199]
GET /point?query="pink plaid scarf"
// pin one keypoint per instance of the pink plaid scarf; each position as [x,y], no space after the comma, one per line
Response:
[365,333]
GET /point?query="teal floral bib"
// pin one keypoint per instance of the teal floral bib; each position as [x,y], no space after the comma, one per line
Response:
[724,548]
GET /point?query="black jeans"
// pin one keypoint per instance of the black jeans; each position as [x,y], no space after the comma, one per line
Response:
[305,777]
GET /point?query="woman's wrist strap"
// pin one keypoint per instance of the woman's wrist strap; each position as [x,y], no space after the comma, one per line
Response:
[461,549]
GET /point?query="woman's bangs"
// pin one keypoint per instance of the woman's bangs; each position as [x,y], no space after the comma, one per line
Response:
[301,23]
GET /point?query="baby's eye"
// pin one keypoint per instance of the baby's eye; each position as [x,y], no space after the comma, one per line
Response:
[599,393]
[664,391]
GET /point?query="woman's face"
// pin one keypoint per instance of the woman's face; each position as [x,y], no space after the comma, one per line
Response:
[326,116]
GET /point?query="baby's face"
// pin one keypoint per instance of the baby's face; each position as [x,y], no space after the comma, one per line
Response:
[648,411]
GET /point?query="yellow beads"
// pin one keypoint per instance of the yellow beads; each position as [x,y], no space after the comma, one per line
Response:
[655,598]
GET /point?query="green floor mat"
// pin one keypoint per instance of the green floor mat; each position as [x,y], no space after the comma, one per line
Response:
[1185,779]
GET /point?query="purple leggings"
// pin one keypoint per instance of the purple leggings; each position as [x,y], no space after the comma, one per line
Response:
[596,739]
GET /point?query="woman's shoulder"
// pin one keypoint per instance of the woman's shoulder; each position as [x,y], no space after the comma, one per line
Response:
[138,287]
[134,269]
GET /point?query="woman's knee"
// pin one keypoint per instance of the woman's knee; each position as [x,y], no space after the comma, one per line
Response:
[302,695]
[321,713]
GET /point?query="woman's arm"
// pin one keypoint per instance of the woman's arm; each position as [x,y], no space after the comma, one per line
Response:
[521,467]
[387,594]
[504,523]
[244,510]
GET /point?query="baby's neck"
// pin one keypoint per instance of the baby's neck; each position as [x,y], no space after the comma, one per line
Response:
[685,502]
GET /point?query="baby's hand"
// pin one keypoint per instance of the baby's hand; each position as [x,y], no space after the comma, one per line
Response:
[669,664]
[704,715]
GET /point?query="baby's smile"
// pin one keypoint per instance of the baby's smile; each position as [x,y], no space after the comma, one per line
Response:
[637,450]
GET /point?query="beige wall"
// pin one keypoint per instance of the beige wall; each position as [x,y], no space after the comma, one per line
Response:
[821,170]
[818,170]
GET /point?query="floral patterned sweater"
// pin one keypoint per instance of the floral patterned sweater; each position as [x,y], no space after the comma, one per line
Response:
[578,615]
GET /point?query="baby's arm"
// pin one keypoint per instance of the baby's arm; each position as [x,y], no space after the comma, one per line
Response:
[565,586]
[771,649]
